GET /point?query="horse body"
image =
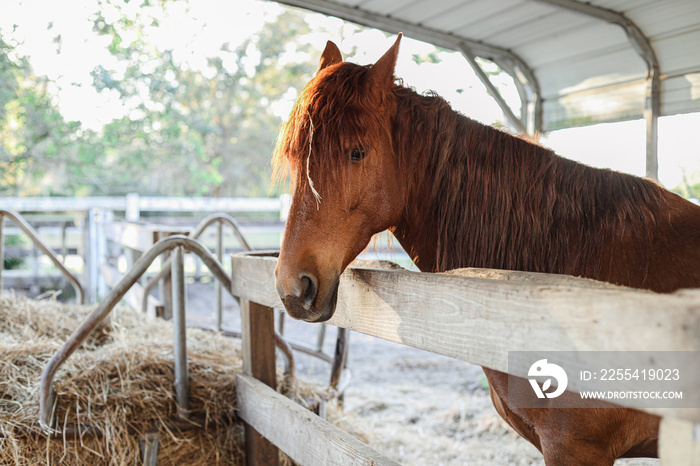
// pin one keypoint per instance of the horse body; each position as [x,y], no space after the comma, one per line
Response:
[369,155]
[492,200]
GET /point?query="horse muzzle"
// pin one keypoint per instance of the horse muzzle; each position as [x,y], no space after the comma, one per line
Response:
[302,300]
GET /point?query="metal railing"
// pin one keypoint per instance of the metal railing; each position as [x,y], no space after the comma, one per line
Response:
[36,239]
[177,243]
[220,219]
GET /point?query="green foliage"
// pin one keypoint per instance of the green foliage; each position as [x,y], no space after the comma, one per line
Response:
[18,241]
[483,381]
[689,186]
[187,131]
[432,57]
[33,133]
[199,132]
[11,263]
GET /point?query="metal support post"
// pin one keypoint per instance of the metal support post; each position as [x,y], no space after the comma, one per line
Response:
[320,337]
[46,393]
[219,286]
[165,282]
[163,277]
[2,248]
[180,342]
[652,109]
[341,356]
[149,444]
[280,321]
[642,45]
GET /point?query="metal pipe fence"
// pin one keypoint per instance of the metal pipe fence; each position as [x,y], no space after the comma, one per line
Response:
[179,243]
[220,219]
[36,239]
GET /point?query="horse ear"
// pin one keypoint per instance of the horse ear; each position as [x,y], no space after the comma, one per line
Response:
[382,72]
[331,55]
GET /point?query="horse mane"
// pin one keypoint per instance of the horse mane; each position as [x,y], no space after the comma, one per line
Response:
[494,200]
[500,201]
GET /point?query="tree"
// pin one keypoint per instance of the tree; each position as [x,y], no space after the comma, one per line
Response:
[185,130]
[206,131]
[33,134]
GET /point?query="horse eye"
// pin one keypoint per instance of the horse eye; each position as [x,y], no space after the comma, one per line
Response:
[356,155]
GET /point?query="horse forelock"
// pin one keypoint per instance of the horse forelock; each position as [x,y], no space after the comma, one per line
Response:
[334,113]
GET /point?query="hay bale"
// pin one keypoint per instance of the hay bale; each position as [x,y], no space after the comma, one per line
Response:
[121,381]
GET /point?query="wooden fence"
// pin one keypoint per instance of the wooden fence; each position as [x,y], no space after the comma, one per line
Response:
[134,204]
[76,225]
[477,318]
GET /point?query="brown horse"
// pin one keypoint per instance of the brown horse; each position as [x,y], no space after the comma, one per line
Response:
[368,155]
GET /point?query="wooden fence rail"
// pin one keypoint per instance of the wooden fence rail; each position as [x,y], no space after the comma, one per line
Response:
[479,317]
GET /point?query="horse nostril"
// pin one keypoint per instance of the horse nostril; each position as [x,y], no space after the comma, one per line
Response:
[310,289]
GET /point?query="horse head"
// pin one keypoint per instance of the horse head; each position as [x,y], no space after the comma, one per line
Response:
[337,145]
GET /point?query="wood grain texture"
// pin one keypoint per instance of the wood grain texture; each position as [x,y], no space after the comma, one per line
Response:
[305,437]
[258,345]
[679,443]
[480,320]
[134,236]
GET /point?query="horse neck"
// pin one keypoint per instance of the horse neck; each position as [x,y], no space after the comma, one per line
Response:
[483,198]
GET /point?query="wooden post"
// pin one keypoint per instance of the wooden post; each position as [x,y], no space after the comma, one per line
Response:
[258,342]
[340,357]
[91,268]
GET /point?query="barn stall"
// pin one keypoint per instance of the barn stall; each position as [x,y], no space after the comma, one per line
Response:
[650,91]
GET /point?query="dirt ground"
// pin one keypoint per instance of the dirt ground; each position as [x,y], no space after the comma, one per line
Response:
[416,407]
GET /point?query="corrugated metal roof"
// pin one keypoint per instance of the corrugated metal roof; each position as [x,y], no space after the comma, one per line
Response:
[584,68]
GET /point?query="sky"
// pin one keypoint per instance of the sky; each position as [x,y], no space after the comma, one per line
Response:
[200,31]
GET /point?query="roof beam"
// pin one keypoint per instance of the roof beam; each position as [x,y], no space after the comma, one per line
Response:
[395,26]
[636,37]
[652,104]
[515,121]
[449,41]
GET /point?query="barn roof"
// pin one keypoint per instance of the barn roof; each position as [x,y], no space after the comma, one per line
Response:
[574,63]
